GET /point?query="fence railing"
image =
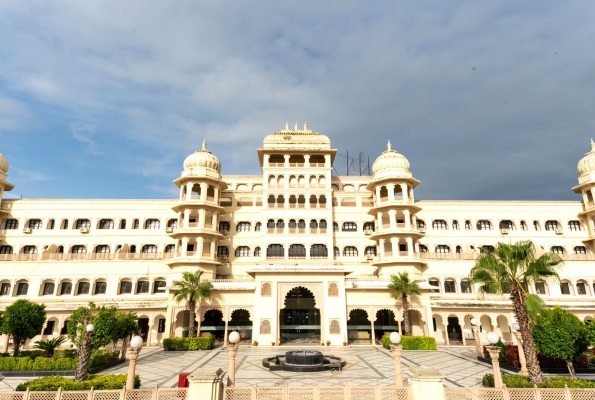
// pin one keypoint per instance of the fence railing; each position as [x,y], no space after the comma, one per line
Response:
[535,393]
[315,392]
[119,394]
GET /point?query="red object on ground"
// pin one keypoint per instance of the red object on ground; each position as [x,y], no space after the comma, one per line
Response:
[183,379]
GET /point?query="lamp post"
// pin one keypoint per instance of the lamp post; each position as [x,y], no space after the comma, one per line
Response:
[233,339]
[517,335]
[494,354]
[475,330]
[395,338]
[136,343]
[84,354]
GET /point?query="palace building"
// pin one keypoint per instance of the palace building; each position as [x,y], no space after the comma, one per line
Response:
[295,255]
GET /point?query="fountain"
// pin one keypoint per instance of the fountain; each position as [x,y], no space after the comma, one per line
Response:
[303,361]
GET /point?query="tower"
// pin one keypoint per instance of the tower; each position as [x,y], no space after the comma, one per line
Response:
[586,187]
[4,185]
[395,211]
[197,232]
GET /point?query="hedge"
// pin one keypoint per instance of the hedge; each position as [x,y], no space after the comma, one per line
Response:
[186,344]
[98,382]
[510,355]
[521,381]
[412,342]
[98,358]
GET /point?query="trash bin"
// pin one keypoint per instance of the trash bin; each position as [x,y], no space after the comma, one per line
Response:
[183,379]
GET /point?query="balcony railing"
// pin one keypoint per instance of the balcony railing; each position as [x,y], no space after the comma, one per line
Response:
[577,257]
[447,256]
[278,164]
[316,164]
[297,165]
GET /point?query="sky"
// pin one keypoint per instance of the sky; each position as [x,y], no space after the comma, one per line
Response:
[488,100]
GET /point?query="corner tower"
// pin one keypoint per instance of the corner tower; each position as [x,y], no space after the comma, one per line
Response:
[197,232]
[4,185]
[586,187]
[394,210]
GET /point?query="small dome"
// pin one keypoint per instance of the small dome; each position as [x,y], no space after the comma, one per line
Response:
[587,163]
[3,164]
[202,159]
[390,159]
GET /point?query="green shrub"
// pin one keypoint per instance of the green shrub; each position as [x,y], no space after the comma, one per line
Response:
[32,354]
[102,357]
[8,363]
[186,344]
[98,382]
[412,342]
[520,381]
[5,355]
[65,353]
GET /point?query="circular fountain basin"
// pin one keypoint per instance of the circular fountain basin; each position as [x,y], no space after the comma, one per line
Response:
[303,361]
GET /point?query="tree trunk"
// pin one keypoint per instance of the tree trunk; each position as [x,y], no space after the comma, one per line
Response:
[520,310]
[82,367]
[192,312]
[571,369]
[406,315]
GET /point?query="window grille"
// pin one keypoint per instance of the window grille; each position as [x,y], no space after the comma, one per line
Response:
[574,226]
[506,224]
[467,225]
[52,224]
[280,224]
[313,224]
[64,224]
[297,250]
[30,250]
[136,224]
[243,251]
[257,252]
[123,224]
[66,288]
[335,227]
[106,224]
[83,288]
[540,287]
[270,224]
[152,224]
[318,250]
[159,286]
[292,224]
[142,287]
[565,288]
[102,248]
[83,223]
[301,224]
[439,225]
[370,251]
[48,288]
[257,227]
[170,248]
[524,226]
[336,252]
[465,287]
[350,251]
[161,326]
[275,250]
[551,225]
[243,227]
[78,249]
[5,249]
[423,248]
[125,287]
[449,287]
[455,225]
[580,288]
[22,289]
[536,225]
[484,225]
[489,249]
[557,249]
[369,226]
[222,251]
[149,248]
[223,226]
[322,224]
[35,223]
[5,289]
[100,287]
[577,250]
[420,224]
[442,248]
[349,227]
[11,224]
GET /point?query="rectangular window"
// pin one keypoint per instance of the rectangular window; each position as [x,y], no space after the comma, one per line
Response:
[161,326]
[64,330]
[35,223]
[142,287]
[159,287]
[125,287]
[48,288]
[574,225]
[449,287]
[5,249]
[83,288]
[465,287]
[49,328]
[565,288]
[100,287]
[5,289]
[484,225]
[540,287]
[66,288]
[83,223]
[22,289]
[11,224]
[580,288]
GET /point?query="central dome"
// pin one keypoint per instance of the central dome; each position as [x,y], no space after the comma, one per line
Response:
[202,159]
[390,159]
[587,163]
[3,164]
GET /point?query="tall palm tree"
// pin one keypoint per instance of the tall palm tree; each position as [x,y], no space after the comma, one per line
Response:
[511,268]
[191,289]
[404,288]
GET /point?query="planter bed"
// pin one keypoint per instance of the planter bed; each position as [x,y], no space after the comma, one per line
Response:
[510,368]
[29,374]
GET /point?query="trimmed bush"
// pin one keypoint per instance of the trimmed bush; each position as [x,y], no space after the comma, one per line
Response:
[187,344]
[511,357]
[98,358]
[98,382]
[412,342]
[102,357]
[65,353]
[32,354]
[520,381]
[546,362]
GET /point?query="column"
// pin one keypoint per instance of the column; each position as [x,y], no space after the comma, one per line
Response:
[199,246]
[407,214]
[286,156]
[189,191]
[149,334]
[377,195]
[392,216]
[186,218]
[409,246]
[404,190]
[425,383]
[184,247]
[391,191]
[379,222]
[394,242]
[381,242]
[265,163]
[203,191]
[372,324]
[307,160]
[327,161]
[201,219]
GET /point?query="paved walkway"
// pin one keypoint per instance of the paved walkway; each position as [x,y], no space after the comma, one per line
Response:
[366,365]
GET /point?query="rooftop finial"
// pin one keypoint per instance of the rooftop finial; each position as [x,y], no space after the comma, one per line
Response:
[204,144]
[305,126]
[592,144]
[388,146]
[286,126]
[296,126]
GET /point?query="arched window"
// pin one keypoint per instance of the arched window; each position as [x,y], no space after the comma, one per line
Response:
[222,251]
[51,224]
[450,286]
[172,223]
[489,249]
[467,225]
[102,248]
[123,224]
[484,225]
[540,287]
[257,252]
[420,223]
[152,224]
[243,227]
[82,223]
[136,224]
[524,226]
[14,224]
[275,251]
[459,249]
[322,224]
[369,226]
[301,224]
[442,248]
[125,287]
[297,251]
[257,227]
[439,225]
[78,249]
[66,288]
[223,226]
[536,225]
[83,288]
[35,224]
[5,249]
[336,252]
[423,248]
[159,286]
[142,286]
[292,224]
[574,225]
[551,225]
[170,248]
[370,251]
[48,289]
[455,225]
[349,227]
[313,224]
[350,251]
[577,250]
[243,251]
[149,248]
[506,224]
[557,249]
[280,224]
[335,227]
[270,224]
[465,286]
[106,224]
[318,251]
[100,287]
[22,288]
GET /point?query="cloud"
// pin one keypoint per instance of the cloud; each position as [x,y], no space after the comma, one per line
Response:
[23,175]
[84,134]
[173,191]
[13,114]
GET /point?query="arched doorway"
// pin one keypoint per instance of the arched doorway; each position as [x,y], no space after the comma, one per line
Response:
[213,324]
[240,322]
[359,327]
[455,333]
[299,320]
[385,324]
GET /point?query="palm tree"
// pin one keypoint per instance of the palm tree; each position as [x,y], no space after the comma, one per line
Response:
[511,268]
[49,345]
[403,288]
[191,289]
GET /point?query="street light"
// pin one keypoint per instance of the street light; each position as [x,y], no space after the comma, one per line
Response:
[136,343]
[395,338]
[519,341]
[494,354]
[233,339]
[90,328]
[475,330]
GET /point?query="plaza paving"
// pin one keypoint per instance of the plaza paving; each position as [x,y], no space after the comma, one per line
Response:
[366,365]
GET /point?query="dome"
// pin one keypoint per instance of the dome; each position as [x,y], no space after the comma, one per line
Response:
[587,163]
[296,138]
[3,164]
[390,159]
[202,159]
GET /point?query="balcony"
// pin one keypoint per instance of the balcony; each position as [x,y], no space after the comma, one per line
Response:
[297,165]
[275,230]
[577,257]
[318,231]
[448,256]
[276,165]
[317,165]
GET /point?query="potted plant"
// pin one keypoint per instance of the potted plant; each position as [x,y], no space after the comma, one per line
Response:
[345,341]
[328,342]
[272,343]
[255,343]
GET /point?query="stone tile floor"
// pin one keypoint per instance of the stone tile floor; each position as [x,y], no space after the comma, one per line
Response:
[366,365]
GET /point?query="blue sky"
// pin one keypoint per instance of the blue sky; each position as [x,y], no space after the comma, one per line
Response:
[105,99]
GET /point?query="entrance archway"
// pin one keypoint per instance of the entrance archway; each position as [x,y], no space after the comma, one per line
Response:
[213,324]
[299,320]
[359,327]
[385,324]
[455,333]
[240,322]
